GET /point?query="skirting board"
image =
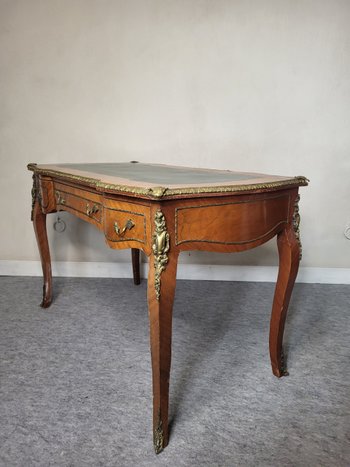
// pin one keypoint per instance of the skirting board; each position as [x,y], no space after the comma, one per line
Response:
[185,271]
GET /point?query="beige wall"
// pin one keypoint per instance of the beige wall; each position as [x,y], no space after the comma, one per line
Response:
[246,85]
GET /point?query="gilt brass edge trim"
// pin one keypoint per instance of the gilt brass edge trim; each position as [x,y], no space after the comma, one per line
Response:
[164,192]
[128,212]
[161,192]
[134,190]
[160,248]
[65,176]
[62,175]
[297,181]
[100,186]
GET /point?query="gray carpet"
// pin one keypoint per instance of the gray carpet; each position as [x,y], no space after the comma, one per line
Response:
[76,379]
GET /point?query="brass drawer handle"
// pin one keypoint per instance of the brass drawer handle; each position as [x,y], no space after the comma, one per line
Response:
[91,211]
[59,198]
[128,226]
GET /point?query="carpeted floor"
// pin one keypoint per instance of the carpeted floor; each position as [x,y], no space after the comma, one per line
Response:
[76,379]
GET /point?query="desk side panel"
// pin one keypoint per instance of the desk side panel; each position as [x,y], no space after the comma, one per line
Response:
[233,224]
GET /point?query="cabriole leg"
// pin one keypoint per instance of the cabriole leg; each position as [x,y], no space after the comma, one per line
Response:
[289,257]
[160,293]
[160,316]
[39,223]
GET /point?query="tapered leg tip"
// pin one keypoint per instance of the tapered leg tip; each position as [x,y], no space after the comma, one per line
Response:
[280,372]
[158,450]
[45,303]
[47,296]
[279,367]
[159,441]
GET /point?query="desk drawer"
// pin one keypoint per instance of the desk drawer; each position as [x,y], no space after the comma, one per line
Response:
[124,223]
[83,203]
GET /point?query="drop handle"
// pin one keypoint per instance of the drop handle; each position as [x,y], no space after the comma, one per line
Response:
[90,211]
[129,224]
[59,198]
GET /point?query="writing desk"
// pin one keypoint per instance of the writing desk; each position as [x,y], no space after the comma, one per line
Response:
[163,210]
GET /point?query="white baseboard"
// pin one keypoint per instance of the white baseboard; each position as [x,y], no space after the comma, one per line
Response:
[185,271]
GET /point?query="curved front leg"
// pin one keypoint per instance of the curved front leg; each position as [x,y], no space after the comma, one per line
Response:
[160,316]
[39,223]
[161,291]
[289,256]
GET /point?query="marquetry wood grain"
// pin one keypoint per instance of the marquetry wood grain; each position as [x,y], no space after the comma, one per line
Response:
[231,223]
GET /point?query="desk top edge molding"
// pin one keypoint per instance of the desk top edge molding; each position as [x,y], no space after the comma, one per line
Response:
[163,192]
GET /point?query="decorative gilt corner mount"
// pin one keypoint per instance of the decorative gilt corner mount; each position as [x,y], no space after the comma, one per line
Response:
[160,247]
[296,223]
[158,191]
[34,192]
[36,195]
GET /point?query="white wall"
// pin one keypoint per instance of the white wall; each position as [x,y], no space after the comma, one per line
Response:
[245,85]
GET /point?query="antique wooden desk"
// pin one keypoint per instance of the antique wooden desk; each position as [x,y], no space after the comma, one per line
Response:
[163,210]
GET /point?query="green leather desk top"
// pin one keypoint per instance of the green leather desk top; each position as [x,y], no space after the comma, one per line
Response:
[156,180]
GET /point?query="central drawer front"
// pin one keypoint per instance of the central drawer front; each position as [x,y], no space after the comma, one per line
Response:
[125,222]
[83,203]
[233,223]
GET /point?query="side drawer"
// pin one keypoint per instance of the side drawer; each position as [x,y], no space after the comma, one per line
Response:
[83,203]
